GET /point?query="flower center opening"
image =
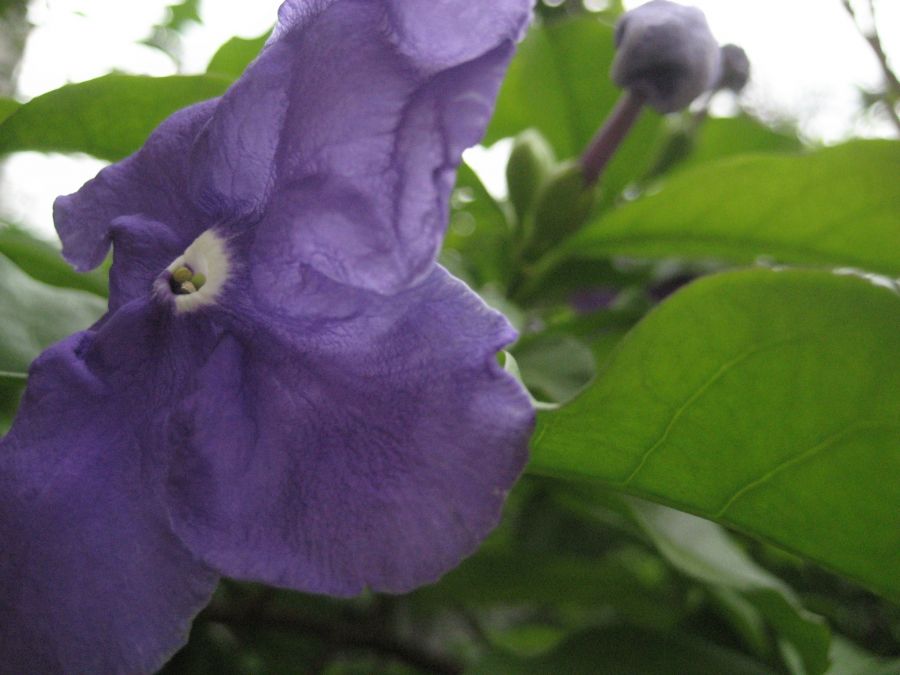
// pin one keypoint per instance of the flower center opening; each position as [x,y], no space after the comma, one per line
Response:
[185,281]
[197,276]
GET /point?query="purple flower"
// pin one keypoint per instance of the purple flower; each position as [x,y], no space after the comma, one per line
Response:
[665,54]
[286,387]
[734,68]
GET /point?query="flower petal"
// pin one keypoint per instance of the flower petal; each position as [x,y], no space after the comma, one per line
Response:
[142,249]
[150,183]
[92,580]
[371,451]
[353,120]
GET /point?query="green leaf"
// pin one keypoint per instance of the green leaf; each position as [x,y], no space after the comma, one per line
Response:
[554,367]
[559,84]
[10,390]
[703,550]
[768,401]
[181,14]
[562,207]
[479,235]
[707,139]
[728,136]
[234,56]
[33,316]
[836,207]
[109,117]
[44,262]
[625,651]
[500,577]
[848,659]
[8,107]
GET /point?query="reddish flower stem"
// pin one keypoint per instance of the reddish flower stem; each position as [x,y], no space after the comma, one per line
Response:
[610,137]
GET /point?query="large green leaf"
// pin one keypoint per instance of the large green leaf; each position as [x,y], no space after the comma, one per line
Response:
[559,84]
[768,401]
[109,117]
[33,316]
[717,138]
[836,207]
[720,137]
[44,262]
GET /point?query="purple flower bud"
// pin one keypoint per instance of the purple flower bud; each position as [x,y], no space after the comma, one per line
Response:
[666,54]
[734,68]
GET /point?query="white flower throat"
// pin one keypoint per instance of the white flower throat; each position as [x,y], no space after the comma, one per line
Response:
[196,277]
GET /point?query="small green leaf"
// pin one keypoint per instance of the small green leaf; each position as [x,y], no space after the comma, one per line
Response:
[561,208]
[33,316]
[555,367]
[500,577]
[234,56]
[479,235]
[626,651]
[848,659]
[703,550]
[182,13]
[10,391]
[109,117]
[836,207]
[44,262]
[768,401]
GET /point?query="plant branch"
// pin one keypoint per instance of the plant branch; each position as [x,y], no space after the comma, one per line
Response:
[890,78]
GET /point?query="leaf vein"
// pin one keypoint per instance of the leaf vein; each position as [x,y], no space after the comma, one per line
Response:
[792,461]
[723,369]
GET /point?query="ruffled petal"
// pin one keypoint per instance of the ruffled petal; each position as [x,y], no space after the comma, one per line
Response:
[375,450]
[442,34]
[352,122]
[142,249]
[92,579]
[151,183]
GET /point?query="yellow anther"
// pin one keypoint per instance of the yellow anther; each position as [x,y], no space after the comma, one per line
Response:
[182,274]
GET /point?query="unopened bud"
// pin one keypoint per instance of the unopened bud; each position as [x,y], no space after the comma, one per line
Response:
[562,207]
[734,68]
[529,166]
[666,54]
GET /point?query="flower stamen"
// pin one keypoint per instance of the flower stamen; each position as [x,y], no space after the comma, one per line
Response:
[197,276]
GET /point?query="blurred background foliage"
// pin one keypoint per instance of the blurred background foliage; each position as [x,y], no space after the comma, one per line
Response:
[766,400]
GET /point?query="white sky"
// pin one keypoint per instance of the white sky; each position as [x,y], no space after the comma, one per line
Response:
[808,64]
